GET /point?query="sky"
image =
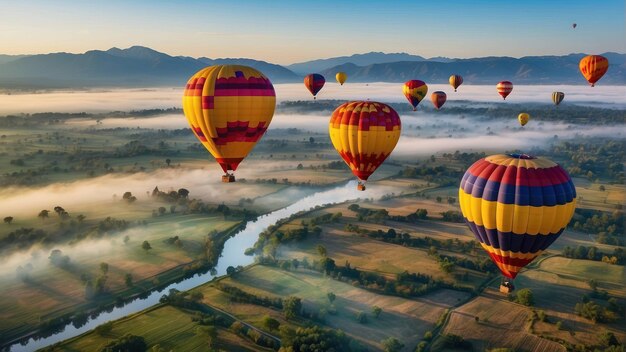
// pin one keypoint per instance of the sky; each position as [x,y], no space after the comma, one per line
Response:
[289,31]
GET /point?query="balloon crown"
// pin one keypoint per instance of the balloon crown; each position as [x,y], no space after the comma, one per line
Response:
[522,156]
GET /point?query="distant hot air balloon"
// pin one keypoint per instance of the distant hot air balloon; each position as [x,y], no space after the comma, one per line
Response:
[314,82]
[504,88]
[364,134]
[456,81]
[516,205]
[414,90]
[229,108]
[523,118]
[574,25]
[438,98]
[341,77]
[593,67]
[557,97]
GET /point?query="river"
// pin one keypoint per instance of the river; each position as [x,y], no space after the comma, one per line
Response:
[232,255]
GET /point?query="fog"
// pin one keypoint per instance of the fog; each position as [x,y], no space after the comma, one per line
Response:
[100,100]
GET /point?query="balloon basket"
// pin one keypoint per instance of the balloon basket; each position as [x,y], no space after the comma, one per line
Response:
[228,178]
[507,287]
[360,187]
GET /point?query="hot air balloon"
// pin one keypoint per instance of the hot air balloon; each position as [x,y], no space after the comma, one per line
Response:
[574,25]
[414,90]
[364,134]
[593,67]
[438,98]
[229,108]
[516,205]
[456,81]
[341,77]
[314,83]
[504,88]
[557,97]
[523,118]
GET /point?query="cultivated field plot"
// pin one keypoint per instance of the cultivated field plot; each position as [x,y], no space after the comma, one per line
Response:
[402,318]
[166,326]
[501,324]
[590,195]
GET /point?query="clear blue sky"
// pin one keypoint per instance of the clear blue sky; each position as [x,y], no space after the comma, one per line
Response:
[284,31]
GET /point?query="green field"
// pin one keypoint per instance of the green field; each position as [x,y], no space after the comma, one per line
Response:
[169,327]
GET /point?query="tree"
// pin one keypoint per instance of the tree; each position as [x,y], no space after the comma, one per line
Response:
[230,270]
[44,214]
[361,317]
[128,280]
[270,323]
[162,211]
[292,306]
[104,329]
[376,310]
[197,296]
[104,268]
[146,246]
[391,344]
[311,140]
[525,297]
[331,297]
[607,338]
[126,239]
[210,332]
[168,161]
[126,343]
[300,167]
[80,218]
[8,220]
[183,193]
[321,250]
[593,284]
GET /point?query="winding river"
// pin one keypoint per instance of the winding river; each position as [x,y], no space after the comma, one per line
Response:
[232,255]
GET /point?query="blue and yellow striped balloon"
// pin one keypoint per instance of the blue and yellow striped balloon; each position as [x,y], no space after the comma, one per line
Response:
[516,205]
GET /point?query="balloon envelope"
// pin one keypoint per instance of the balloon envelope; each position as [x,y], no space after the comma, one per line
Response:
[523,118]
[593,67]
[229,108]
[455,81]
[438,98]
[504,88]
[314,83]
[341,77]
[557,97]
[364,133]
[414,91]
[516,205]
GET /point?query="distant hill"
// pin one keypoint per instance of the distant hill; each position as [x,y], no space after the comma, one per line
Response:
[316,66]
[487,70]
[142,67]
[133,67]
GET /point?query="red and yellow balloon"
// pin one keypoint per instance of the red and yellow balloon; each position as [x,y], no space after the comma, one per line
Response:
[229,108]
[414,91]
[593,67]
[438,98]
[504,88]
[364,133]
[314,83]
[455,81]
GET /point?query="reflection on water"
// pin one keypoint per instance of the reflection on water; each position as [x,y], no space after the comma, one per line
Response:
[233,255]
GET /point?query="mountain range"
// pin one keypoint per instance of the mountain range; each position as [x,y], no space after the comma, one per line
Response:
[141,67]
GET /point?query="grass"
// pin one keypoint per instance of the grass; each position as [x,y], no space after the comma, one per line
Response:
[402,318]
[169,327]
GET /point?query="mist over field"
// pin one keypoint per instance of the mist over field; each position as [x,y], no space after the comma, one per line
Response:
[101,100]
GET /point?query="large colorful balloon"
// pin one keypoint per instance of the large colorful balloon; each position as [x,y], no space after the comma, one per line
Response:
[557,97]
[455,81]
[593,67]
[414,91]
[517,206]
[341,77]
[504,88]
[523,118]
[364,134]
[438,98]
[314,82]
[229,108]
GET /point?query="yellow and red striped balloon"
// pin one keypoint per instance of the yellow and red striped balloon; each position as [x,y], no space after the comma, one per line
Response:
[593,67]
[455,81]
[557,97]
[516,205]
[229,108]
[364,133]
[504,88]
